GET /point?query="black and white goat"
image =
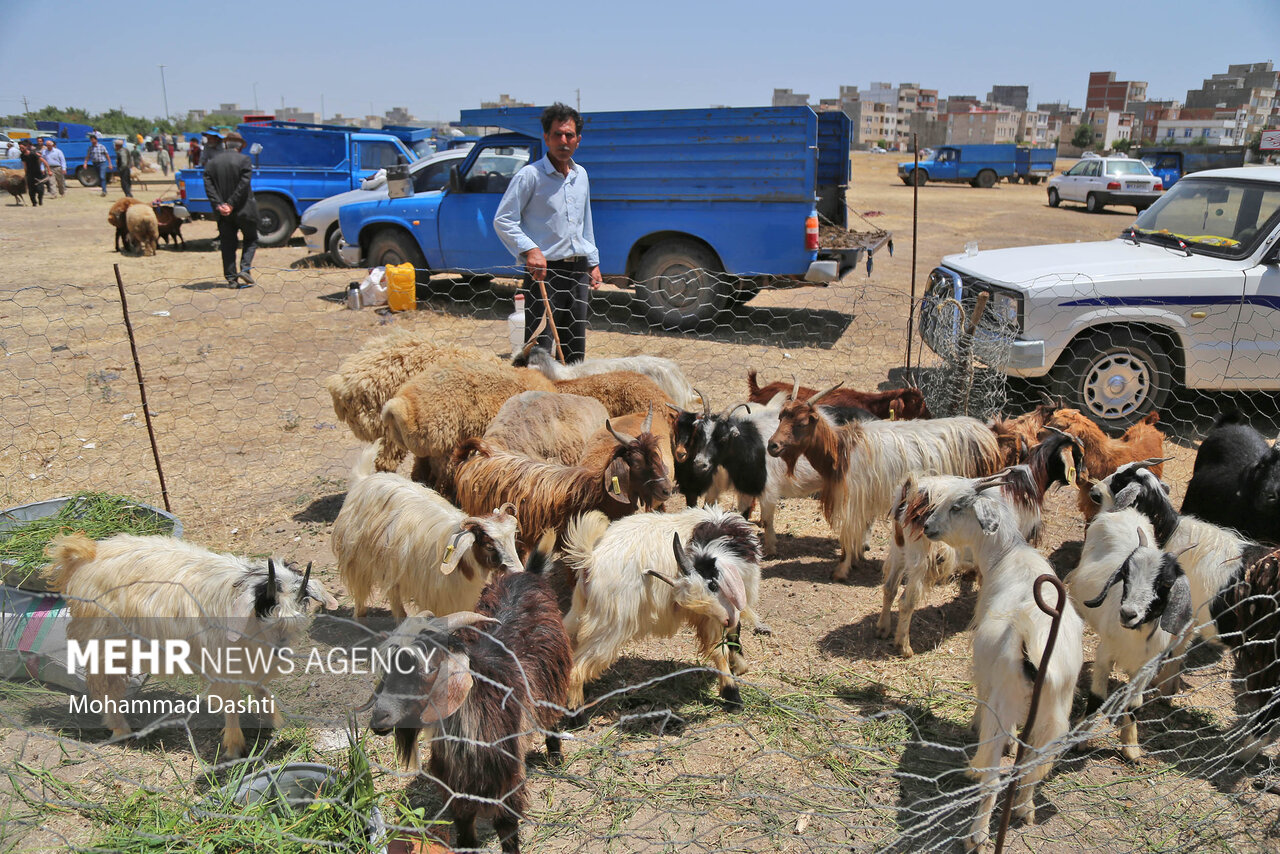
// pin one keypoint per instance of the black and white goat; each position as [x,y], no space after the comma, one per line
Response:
[918,565]
[1236,480]
[649,574]
[162,588]
[484,684]
[1227,593]
[1009,636]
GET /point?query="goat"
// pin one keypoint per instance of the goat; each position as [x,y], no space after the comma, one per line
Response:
[1236,480]
[170,227]
[899,404]
[407,540]
[1103,455]
[601,443]
[621,392]
[1230,594]
[1117,547]
[918,565]
[116,219]
[372,375]
[548,426]
[485,683]
[160,588]
[13,182]
[649,574]
[1010,632]
[664,372]
[548,495]
[1019,434]
[861,463]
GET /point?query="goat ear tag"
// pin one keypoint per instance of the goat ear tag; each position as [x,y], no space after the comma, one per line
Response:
[893,414]
[1071,475]
[459,544]
[617,481]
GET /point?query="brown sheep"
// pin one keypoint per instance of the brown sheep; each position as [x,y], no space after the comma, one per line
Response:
[1103,455]
[621,392]
[116,218]
[13,182]
[143,228]
[170,225]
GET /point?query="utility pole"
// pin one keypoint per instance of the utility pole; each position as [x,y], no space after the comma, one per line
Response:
[25,109]
[255,97]
[578,92]
[321,108]
[164,89]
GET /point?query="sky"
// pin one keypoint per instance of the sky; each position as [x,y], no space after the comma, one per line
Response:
[436,58]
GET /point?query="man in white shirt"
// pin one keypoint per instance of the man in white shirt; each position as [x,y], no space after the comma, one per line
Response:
[544,219]
[57,162]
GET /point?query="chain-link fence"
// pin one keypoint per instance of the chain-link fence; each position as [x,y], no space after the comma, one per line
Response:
[841,744]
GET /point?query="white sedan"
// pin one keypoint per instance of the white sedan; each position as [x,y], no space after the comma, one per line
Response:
[320,221]
[1103,181]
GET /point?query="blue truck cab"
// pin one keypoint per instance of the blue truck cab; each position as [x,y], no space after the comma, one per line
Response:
[981,165]
[698,209]
[295,166]
[1171,163]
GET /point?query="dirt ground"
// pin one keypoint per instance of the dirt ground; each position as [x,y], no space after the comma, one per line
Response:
[843,745]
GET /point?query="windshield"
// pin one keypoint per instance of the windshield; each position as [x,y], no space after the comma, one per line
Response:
[1212,216]
[1127,167]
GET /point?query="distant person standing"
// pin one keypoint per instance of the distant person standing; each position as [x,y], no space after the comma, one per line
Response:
[122,168]
[193,153]
[101,160]
[544,219]
[162,157]
[228,178]
[57,162]
[34,168]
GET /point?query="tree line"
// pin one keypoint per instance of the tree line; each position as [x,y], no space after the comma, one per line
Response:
[118,122]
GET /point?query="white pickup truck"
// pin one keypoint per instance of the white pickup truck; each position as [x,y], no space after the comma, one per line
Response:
[1189,294]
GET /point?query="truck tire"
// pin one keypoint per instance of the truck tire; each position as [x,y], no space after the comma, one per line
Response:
[1115,377]
[679,284]
[1013,179]
[87,176]
[395,247]
[1091,203]
[1054,198]
[331,244]
[987,179]
[1033,179]
[922,175]
[276,221]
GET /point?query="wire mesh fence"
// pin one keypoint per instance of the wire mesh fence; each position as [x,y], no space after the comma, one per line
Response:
[842,744]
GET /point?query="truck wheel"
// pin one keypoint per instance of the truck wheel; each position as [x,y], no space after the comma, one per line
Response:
[1115,377]
[987,179]
[396,247]
[276,221]
[1033,179]
[920,174]
[87,176]
[335,235]
[1091,203]
[679,285]
[1054,198]
[1013,179]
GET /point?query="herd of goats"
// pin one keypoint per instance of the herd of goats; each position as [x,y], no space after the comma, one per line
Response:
[530,547]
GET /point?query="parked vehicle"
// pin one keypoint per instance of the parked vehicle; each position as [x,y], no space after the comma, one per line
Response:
[319,223]
[295,166]
[1170,164]
[1186,295]
[1103,181]
[977,165]
[73,139]
[1033,165]
[699,208]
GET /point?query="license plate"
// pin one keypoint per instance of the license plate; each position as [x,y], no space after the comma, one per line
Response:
[1136,185]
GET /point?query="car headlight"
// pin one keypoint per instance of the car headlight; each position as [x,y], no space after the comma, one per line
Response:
[1005,308]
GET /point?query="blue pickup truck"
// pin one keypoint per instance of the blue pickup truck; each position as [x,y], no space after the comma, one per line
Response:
[296,166]
[698,208]
[73,139]
[1172,162]
[981,165]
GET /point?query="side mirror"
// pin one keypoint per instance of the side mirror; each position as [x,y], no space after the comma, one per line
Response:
[255,149]
[455,180]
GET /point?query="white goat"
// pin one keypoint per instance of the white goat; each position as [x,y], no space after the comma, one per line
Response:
[1010,633]
[404,538]
[649,574]
[242,612]
[664,372]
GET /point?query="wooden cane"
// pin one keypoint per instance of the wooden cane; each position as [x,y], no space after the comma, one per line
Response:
[551,321]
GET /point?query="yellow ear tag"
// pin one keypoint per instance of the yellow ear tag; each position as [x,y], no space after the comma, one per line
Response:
[448,553]
[1071,475]
[615,486]
[893,415]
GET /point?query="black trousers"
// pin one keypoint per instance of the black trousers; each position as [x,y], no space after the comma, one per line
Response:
[229,228]
[568,287]
[35,190]
[126,180]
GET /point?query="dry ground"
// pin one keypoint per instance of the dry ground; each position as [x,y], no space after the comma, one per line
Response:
[843,745]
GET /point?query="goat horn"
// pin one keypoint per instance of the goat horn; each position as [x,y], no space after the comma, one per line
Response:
[795,387]
[745,406]
[623,438]
[460,620]
[1096,601]
[648,421]
[706,403]
[1142,539]
[1152,461]
[659,576]
[674,407]
[533,339]
[824,393]
[271,575]
[1180,552]
[306,578]
[366,705]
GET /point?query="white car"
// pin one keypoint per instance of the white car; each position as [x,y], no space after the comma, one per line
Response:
[1102,181]
[320,221]
[1189,294]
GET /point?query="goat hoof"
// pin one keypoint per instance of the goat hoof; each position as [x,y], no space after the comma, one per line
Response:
[840,573]
[906,651]
[1131,753]
[883,632]
[577,720]
[555,758]
[732,698]
[762,629]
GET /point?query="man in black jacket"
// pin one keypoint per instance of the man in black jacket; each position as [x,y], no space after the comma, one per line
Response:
[228,176]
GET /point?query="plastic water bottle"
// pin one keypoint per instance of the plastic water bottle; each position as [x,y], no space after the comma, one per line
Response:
[515,325]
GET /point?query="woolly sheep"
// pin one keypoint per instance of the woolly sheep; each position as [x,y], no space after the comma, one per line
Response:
[143,228]
[547,425]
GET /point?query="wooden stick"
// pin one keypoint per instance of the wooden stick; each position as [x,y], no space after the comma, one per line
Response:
[551,321]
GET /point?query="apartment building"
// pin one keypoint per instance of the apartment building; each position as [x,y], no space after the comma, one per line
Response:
[1105,92]
[1148,114]
[1109,126]
[1251,87]
[1009,96]
[983,126]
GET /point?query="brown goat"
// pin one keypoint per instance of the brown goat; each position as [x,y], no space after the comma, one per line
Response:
[170,225]
[1103,454]
[13,182]
[116,219]
[621,392]
[601,444]
[1016,436]
[899,404]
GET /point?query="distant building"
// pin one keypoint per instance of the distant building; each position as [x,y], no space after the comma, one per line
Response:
[1063,121]
[1108,126]
[1148,114]
[982,127]
[787,98]
[1033,128]
[1220,130]
[1107,93]
[960,104]
[504,100]
[1251,87]
[399,116]
[1009,96]
[293,114]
